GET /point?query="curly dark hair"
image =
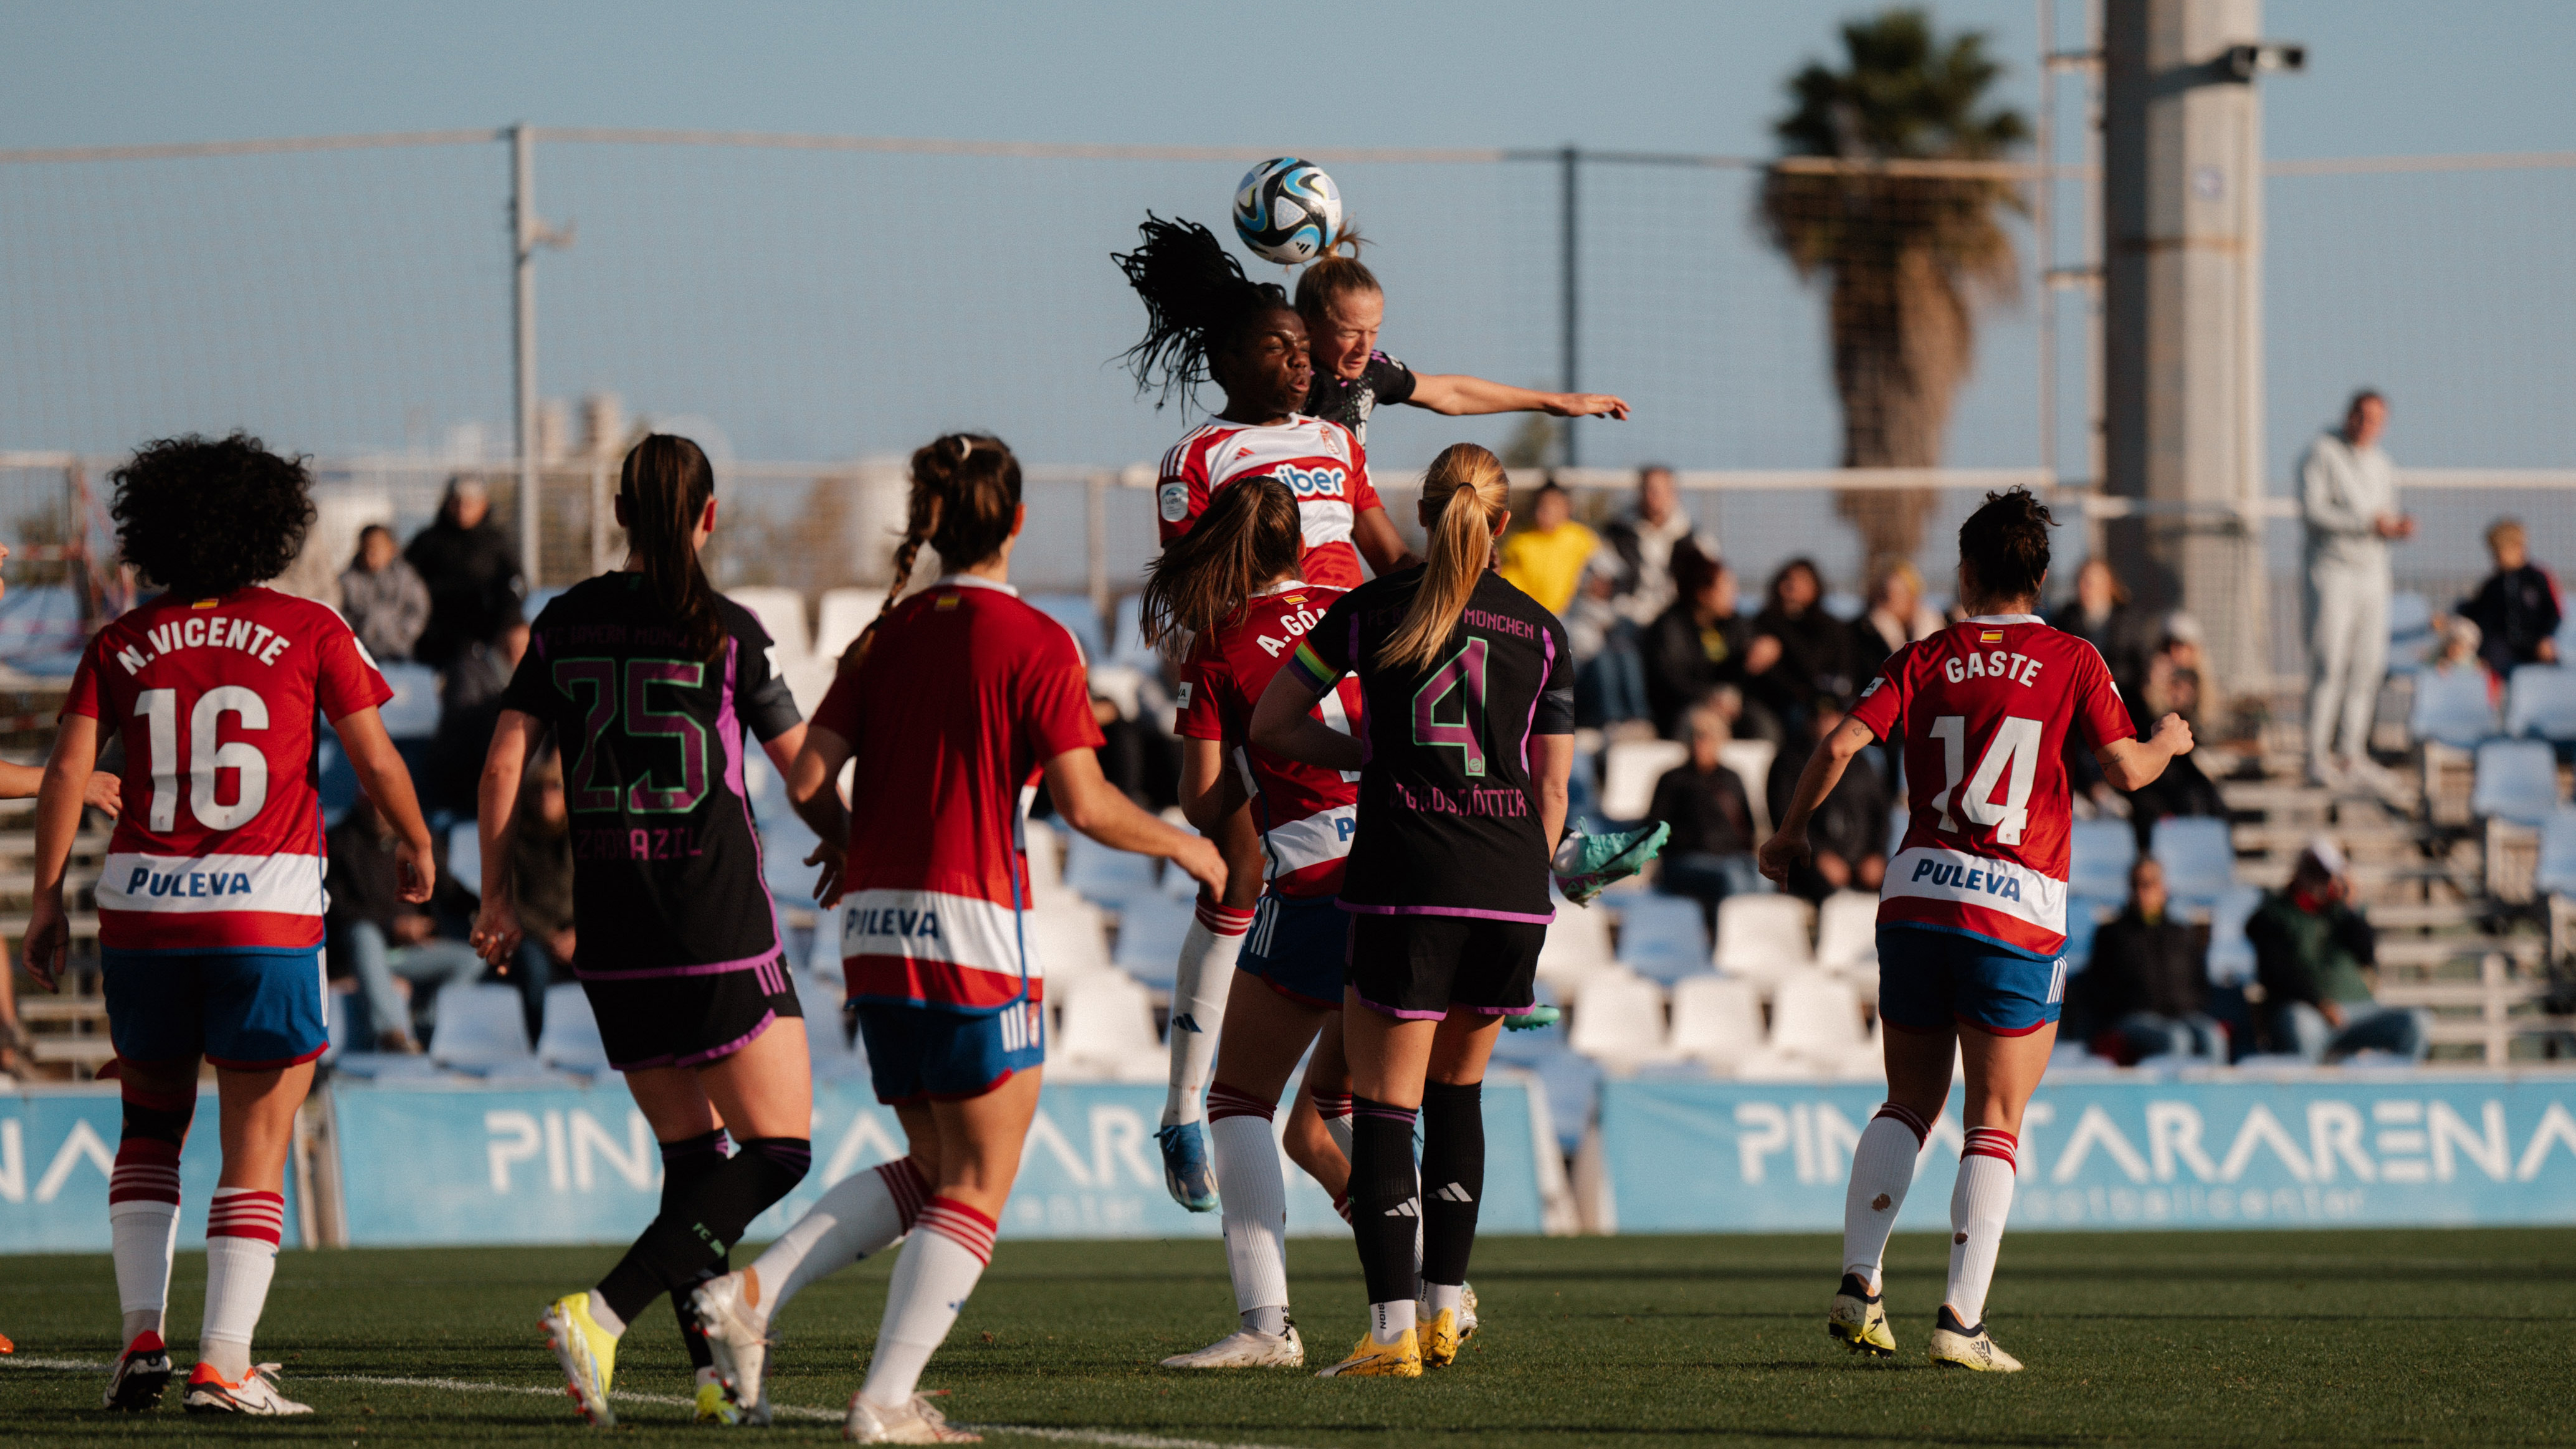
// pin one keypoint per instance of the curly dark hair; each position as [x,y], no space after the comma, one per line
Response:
[203,517]
[1197,303]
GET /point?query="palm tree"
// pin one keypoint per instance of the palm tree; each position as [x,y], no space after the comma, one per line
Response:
[1909,256]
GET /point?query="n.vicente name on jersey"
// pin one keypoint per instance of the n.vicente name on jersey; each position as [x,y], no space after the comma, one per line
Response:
[216,631]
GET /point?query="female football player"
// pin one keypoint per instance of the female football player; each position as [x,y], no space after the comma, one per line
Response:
[1229,593]
[1972,919]
[1469,689]
[210,905]
[648,678]
[1342,305]
[1205,320]
[953,702]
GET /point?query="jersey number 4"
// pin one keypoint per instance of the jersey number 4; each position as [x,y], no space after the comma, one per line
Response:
[642,721]
[1464,676]
[2015,747]
[160,711]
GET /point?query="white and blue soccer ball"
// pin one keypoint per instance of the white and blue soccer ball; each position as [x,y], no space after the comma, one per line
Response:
[1288,210]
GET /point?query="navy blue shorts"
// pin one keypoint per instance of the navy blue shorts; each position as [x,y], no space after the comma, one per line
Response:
[1297,947]
[925,1053]
[246,1009]
[1928,979]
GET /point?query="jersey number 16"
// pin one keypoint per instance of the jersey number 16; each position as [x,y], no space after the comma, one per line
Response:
[159,709]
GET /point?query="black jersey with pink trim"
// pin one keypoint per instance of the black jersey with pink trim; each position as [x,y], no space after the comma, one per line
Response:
[1449,819]
[666,859]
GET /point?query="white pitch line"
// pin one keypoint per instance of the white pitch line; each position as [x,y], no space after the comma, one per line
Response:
[1108,1438]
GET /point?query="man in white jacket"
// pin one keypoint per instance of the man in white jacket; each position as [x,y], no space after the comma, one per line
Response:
[2348,499]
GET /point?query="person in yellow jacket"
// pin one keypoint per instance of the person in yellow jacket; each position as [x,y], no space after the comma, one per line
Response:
[1545,560]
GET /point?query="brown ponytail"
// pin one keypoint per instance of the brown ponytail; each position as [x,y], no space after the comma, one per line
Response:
[1467,486]
[965,500]
[664,489]
[1333,276]
[1248,536]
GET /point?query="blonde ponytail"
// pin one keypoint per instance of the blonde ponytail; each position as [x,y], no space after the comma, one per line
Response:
[1468,486]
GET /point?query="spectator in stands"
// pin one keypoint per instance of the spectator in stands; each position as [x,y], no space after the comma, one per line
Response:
[1710,853]
[371,933]
[469,706]
[1632,574]
[1897,616]
[2173,687]
[2311,950]
[2147,987]
[2348,499]
[2516,609]
[1698,645]
[1546,559]
[471,569]
[541,888]
[1800,654]
[383,599]
[2101,614]
[1849,830]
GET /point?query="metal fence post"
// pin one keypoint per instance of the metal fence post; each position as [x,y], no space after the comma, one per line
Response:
[523,319]
[1570,162]
[1095,528]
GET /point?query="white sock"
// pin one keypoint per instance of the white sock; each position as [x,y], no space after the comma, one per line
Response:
[1255,1200]
[866,1212]
[1390,1321]
[932,1280]
[1446,1297]
[1978,1206]
[1199,989]
[1882,1168]
[606,1317]
[242,1229]
[143,1234]
[1335,1111]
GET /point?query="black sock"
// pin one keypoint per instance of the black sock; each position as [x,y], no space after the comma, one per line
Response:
[695,1231]
[1385,1197]
[685,1164]
[1453,1177]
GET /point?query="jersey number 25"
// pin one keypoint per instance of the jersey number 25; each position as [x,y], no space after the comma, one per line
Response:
[2014,747]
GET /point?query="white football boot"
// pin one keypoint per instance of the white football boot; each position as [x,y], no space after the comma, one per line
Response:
[1246,1349]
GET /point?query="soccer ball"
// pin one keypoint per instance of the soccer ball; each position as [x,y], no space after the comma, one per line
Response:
[1288,210]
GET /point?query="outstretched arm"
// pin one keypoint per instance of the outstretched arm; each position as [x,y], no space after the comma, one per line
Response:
[1458,395]
[1373,533]
[1284,723]
[1086,800]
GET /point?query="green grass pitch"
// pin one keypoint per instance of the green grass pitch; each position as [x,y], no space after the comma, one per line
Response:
[2449,1336]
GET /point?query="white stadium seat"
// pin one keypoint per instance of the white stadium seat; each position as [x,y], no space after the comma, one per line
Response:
[1578,944]
[840,617]
[1847,932]
[1763,937]
[1717,1020]
[1751,762]
[569,1040]
[1816,1017]
[1629,770]
[782,615]
[412,714]
[1107,1032]
[1619,1022]
[1068,940]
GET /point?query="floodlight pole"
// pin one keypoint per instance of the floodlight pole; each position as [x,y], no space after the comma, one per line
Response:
[523,319]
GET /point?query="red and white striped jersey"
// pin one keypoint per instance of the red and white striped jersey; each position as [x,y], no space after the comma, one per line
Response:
[1321,462]
[1985,707]
[1307,815]
[965,694]
[220,843]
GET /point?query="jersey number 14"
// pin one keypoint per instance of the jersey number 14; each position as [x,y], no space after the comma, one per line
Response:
[2015,747]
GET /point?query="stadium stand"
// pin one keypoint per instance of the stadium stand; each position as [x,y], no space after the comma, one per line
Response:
[480,1030]
[1629,769]
[2100,853]
[2199,857]
[570,1040]
[1106,1033]
[1764,939]
[1717,1022]
[1661,936]
[1074,611]
[1150,931]
[840,616]
[2452,706]
[2541,701]
[1618,1022]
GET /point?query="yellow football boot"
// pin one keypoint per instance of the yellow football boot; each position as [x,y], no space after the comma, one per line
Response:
[588,1352]
[1401,1359]
[1859,1320]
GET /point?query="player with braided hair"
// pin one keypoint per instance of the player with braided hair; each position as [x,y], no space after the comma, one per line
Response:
[953,704]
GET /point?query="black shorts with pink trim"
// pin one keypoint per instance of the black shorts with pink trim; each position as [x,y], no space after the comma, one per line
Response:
[1930,978]
[685,1018]
[1421,966]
